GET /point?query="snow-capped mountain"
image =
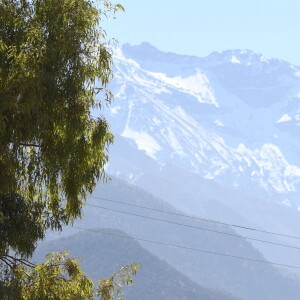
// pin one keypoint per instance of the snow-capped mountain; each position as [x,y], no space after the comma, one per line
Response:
[231,117]
[214,136]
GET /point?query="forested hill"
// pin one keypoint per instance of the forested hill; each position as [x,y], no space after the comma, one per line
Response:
[105,254]
[244,279]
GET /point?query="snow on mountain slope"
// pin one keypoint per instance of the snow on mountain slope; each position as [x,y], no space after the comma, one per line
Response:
[196,85]
[223,117]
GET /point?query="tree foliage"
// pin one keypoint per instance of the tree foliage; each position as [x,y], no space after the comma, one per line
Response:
[55,66]
[61,278]
[52,151]
[20,226]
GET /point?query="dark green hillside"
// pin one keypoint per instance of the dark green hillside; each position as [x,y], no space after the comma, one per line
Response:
[104,254]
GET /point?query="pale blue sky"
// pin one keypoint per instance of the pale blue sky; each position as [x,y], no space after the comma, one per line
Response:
[199,27]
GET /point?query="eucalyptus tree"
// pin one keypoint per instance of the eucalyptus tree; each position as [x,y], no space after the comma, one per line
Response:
[55,66]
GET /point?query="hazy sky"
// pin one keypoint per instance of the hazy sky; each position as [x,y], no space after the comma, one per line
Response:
[199,27]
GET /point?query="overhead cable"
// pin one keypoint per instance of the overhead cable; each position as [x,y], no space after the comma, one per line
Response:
[194,227]
[199,218]
[186,248]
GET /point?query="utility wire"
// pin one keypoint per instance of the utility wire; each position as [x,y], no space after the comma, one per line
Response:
[187,248]
[199,218]
[194,227]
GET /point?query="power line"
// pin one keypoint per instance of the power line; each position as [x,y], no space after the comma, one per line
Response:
[194,227]
[187,248]
[199,218]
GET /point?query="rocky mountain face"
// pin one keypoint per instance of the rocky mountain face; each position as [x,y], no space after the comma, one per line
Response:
[216,136]
[231,117]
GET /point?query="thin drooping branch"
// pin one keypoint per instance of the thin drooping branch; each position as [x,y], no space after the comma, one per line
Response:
[7,262]
[13,260]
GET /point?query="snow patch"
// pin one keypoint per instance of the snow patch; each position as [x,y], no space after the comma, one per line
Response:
[269,163]
[129,71]
[196,85]
[234,60]
[265,59]
[156,121]
[143,141]
[118,55]
[284,118]
[174,143]
[218,123]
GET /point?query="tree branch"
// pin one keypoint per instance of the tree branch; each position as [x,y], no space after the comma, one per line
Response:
[22,261]
[7,262]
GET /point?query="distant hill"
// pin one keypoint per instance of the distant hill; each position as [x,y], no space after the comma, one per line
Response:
[103,255]
[244,279]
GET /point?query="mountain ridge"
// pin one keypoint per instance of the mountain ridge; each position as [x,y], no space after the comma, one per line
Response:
[105,254]
[181,132]
[199,146]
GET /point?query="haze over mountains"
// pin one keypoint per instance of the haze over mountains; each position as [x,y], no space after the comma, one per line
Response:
[220,131]
[105,254]
[216,137]
[203,274]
